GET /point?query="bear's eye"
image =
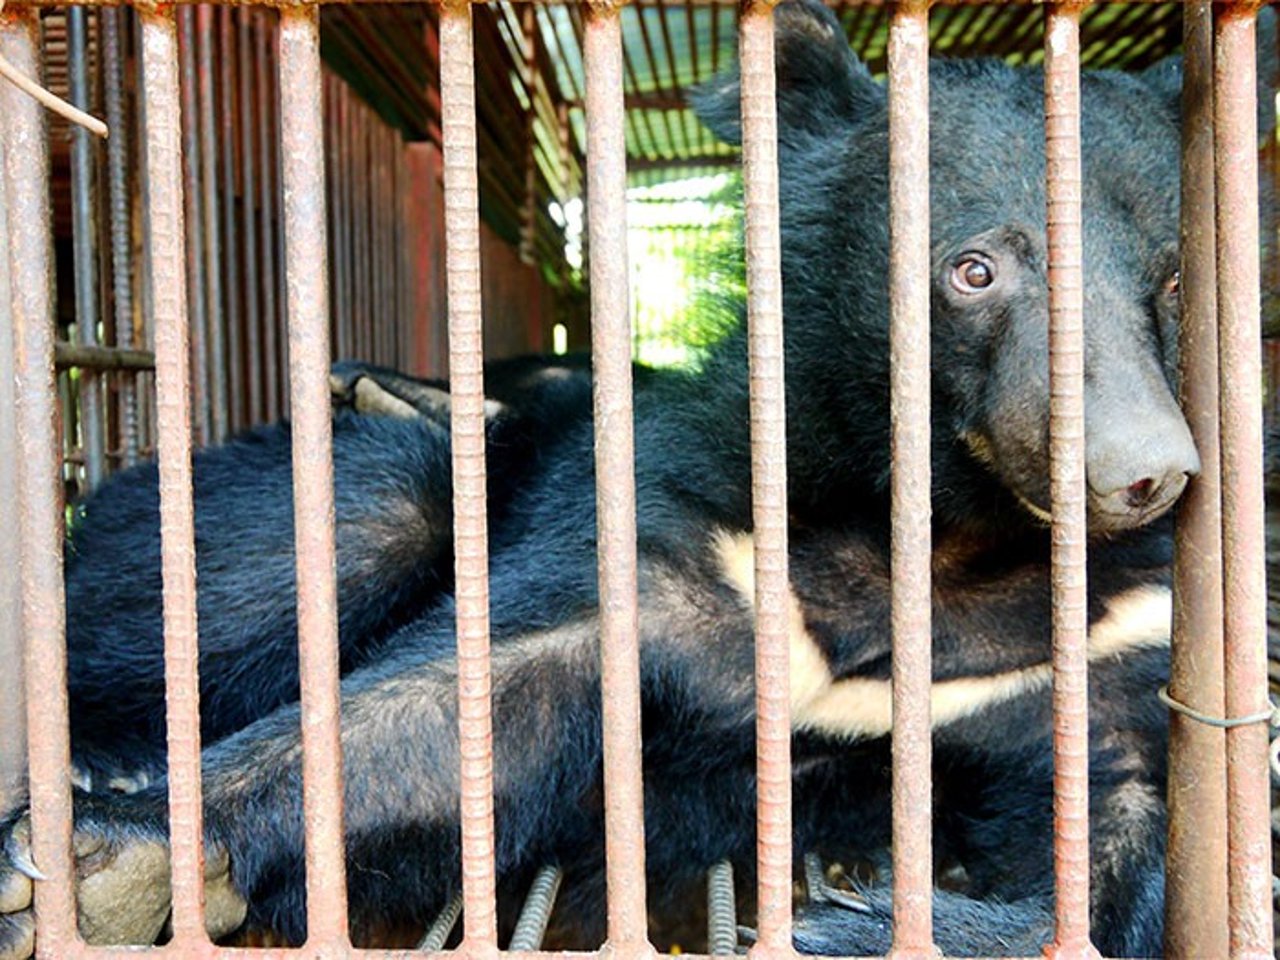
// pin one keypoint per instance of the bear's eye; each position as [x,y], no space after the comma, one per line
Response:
[1173,284]
[972,273]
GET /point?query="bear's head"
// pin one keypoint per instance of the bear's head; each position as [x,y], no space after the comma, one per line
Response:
[989,287]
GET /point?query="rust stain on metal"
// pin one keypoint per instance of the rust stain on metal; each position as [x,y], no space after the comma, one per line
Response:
[470,523]
[911,597]
[769,480]
[615,481]
[1243,519]
[26,185]
[1067,482]
[167,282]
[1196,897]
[306,274]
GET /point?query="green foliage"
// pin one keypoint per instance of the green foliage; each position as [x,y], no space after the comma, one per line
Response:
[687,275]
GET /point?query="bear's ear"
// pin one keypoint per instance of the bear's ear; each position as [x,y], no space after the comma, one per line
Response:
[1166,75]
[821,85]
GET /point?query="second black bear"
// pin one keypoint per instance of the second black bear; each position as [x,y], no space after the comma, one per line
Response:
[991,582]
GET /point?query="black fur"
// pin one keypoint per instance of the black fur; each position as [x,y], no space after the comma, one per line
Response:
[991,586]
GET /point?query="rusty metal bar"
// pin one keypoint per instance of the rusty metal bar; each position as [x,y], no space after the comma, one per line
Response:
[26,185]
[113,26]
[211,247]
[1196,897]
[769,479]
[163,221]
[233,356]
[13,705]
[442,926]
[84,238]
[249,122]
[531,926]
[910,276]
[1243,513]
[147,398]
[265,84]
[281,362]
[470,524]
[101,358]
[615,480]
[359,207]
[342,239]
[196,285]
[722,913]
[1067,481]
[383,320]
[306,270]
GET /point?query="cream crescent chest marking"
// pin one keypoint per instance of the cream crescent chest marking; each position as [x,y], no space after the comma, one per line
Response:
[862,706]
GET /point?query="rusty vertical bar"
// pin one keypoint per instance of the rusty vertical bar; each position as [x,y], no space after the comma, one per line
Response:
[529,77]
[265,83]
[142,291]
[191,167]
[911,550]
[360,181]
[331,207]
[615,480]
[113,26]
[1067,481]
[1196,899]
[470,526]
[249,123]
[13,705]
[377,258]
[26,186]
[401,253]
[1243,514]
[769,477]
[342,220]
[84,239]
[215,339]
[163,222]
[234,353]
[281,292]
[355,191]
[306,273]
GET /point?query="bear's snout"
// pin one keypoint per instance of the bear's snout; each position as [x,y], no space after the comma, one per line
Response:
[1137,465]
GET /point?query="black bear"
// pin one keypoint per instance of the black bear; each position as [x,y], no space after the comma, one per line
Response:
[991,606]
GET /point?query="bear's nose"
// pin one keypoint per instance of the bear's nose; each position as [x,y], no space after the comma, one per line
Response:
[1138,469]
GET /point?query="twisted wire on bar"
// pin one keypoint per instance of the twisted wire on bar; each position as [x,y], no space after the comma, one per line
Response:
[1067,481]
[470,527]
[911,597]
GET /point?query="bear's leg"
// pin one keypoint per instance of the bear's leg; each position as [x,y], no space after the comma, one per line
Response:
[401,758]
[394,539]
